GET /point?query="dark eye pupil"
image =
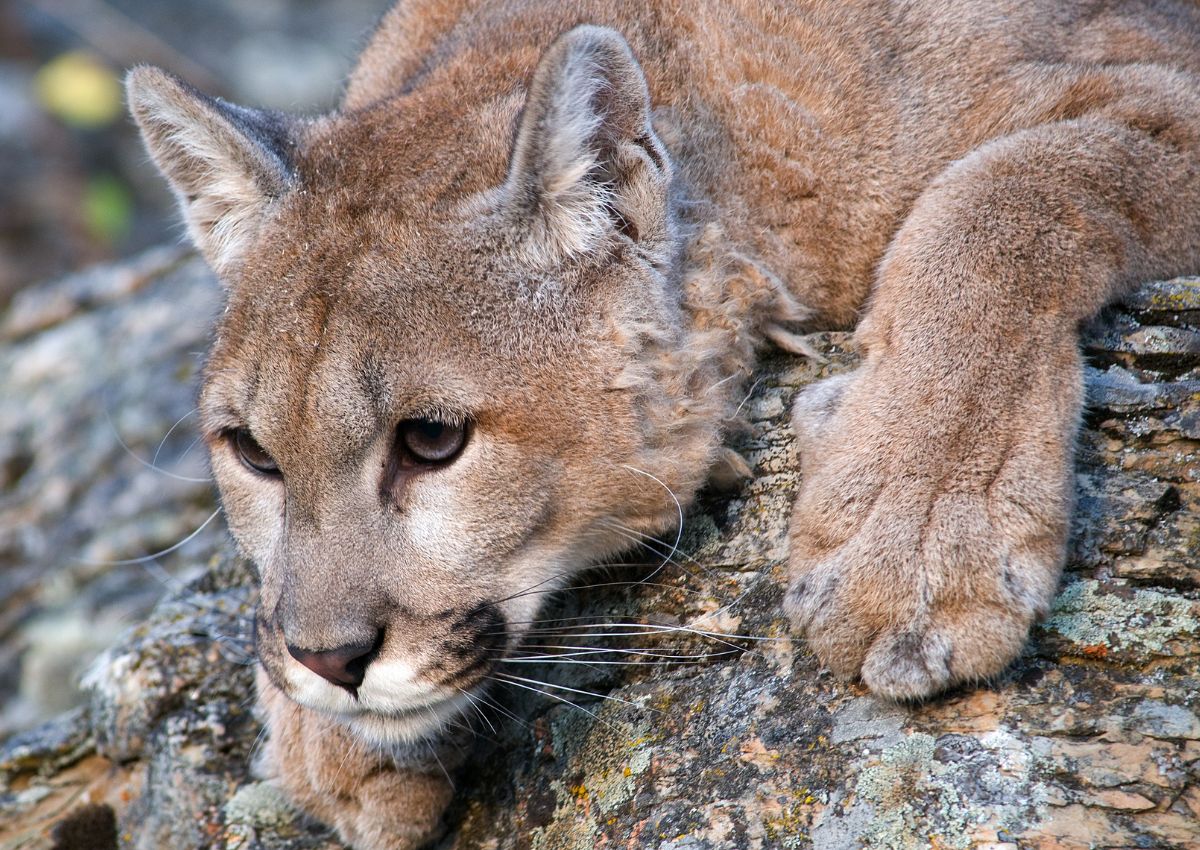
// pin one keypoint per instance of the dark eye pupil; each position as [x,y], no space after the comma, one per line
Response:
[252,454]
[430,431]
[430,441]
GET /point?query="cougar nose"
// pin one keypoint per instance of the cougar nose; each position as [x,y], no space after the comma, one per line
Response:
[345,666]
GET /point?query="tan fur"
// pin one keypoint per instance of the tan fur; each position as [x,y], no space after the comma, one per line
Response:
[370,798]
[577,243]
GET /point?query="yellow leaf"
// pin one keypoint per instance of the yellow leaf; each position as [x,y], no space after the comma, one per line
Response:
[79,89]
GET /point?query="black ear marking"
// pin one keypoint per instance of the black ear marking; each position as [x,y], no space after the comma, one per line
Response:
[652,148]
[271,131]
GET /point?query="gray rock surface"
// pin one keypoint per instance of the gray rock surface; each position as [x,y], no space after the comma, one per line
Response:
[1092,739]
[94,372]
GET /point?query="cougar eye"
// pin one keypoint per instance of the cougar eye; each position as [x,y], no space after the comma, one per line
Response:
[429,441]
[252,454]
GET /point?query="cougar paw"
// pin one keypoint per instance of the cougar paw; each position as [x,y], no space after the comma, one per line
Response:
[913,603]
[903,644]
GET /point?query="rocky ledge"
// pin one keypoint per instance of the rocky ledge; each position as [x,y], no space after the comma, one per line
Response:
[737,740]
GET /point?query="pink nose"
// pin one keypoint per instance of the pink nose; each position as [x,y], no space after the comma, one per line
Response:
[345,666]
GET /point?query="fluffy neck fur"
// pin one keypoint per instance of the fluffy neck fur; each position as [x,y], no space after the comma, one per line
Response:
[692,383]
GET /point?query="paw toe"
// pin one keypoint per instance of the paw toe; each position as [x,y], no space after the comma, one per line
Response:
[793,603]
[908,665]
[814,408]
[807,596]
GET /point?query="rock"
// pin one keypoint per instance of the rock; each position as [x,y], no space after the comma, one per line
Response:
[97,466]
[1092,738]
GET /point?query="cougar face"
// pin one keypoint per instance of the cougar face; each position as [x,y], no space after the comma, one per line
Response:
[441,385]
[410,473]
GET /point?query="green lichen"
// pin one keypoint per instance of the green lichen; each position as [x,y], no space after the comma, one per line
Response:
[913,796]
[258,805]
[904,788]
[1180,295]
[1137,621]
[613,754]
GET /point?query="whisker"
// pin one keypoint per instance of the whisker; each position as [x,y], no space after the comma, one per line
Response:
[711,637]
[662,662]
[626,583]
[749,393]
[478,710]
[645,540]
[726,379]
[572,690]
[521,593]
[590,714]
[189,448]
[646,652]
[234,650]
[145,462]
[491,703]
[660,548]
[433,752]
[645,630]
[649,629]
[261,738]
[568,573]
[628,533]
[449,721]
[602,617]
[162,576]
[170,431]
[346,754]
[146,558]
[678,507]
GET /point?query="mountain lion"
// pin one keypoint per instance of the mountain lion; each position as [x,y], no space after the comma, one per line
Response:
[497,311]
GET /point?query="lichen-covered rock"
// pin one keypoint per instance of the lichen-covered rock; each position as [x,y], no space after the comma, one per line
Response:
[97,466]
[687,716]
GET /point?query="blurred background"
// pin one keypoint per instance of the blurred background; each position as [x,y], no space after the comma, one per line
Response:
[99,458]
[75,185]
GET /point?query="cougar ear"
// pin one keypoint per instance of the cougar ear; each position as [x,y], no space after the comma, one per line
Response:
[226,163]
[587,166]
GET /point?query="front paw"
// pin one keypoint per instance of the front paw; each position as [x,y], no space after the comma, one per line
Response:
[374,801]
[919,562]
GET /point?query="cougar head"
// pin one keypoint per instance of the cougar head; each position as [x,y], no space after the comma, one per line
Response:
[432,396]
